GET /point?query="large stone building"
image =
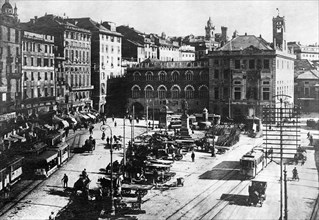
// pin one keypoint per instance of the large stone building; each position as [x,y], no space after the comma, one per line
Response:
[154,84]
[72,61]
[248,73]
[105,57]
[38,81]
[10,67]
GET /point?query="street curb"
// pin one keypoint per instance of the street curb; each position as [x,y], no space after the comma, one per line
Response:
[314,214]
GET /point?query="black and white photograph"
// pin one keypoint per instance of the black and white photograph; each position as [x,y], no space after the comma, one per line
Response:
[159,110]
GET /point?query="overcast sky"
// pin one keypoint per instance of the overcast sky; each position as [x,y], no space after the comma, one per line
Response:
[181,18]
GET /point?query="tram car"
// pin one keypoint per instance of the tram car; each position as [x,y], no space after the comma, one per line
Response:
[10,170]
[252,162]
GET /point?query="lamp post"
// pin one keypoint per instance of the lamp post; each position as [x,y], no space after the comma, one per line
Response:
[103,128]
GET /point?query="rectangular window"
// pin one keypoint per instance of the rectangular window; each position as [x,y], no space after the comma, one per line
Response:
[237,93]
[46,62]
[25,61]
[251,64]
[266,64]
[9,34]
[216,74]
[32,93]
[266,94]
[112,39]
[45,92]
[216,62]
[39,92]
[52,91]
[237,64]
[307,92]
[32,76]
[32,61]
[39,76]
[45,76]
[216,93]
[51,76]
[39,62]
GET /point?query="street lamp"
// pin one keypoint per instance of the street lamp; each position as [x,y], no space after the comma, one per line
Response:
[103,128]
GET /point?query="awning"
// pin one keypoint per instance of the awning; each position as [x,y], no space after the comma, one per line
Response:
[91,116]
[19,137]
[65,123]
[84,116]
[48,126]
[306,98]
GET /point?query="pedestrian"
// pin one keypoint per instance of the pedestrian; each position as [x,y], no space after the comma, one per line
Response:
[193,156]
[310,139]
[66,132]
[65,180]
[108,140]
[84,173]
[91,129]
[308,135]
[115,124]
[51,216]
[7,190]
[149,124]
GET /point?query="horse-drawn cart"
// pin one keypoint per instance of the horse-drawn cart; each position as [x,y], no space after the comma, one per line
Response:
[89,146]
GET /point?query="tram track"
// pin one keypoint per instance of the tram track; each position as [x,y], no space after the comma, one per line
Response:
[189,206]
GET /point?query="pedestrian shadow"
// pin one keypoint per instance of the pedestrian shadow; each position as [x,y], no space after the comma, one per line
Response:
[229,170]
[235,199]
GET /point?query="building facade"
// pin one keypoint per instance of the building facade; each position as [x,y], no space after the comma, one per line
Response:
[38,79]
[10,60]
[187,53]
[136,46]
[105,57]
[305,52]
[248,73]
[155,84]
[10,69]
[72,61]
[307,91]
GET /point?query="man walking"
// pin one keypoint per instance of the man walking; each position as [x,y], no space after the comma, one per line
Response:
[65,180]
[193,156]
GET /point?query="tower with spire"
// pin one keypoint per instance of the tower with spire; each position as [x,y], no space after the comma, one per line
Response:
[209,29]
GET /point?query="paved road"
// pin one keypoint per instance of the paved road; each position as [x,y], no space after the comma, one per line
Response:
[50,195]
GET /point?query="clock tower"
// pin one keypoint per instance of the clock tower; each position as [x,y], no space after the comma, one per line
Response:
[279,33]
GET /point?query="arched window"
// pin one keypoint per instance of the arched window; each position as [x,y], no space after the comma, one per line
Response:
[175,76]
[136,92]
[175,91]
[136,76]
[103,89]
[203,91]
[162,92]
[189,75]
[149,76]
[162,76]
[189,92]
[149,91]
[204,75]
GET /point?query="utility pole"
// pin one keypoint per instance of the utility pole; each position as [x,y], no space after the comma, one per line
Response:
[280,123]
[286,196]
[124,147]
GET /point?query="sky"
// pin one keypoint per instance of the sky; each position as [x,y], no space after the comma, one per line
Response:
[184,17]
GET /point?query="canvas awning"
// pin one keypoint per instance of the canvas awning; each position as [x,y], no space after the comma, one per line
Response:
[84,116]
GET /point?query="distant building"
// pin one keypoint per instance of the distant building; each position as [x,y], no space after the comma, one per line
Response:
[247,73]
[187,53]
[39,79]
[136,46]
[154,84]
[307,91]
[72,61]
[105,57]
[308,52]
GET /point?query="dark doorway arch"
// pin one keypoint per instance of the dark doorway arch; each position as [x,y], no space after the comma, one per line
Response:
[139,109]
